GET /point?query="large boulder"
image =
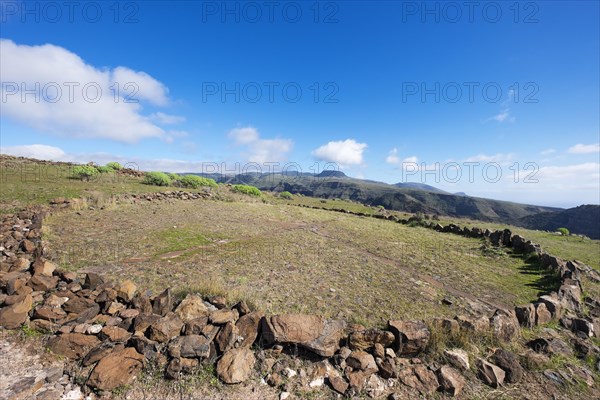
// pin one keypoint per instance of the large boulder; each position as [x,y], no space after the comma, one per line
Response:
[504,325]
[247,328]
[312,332]
[165,328]
[191,307]
[72,345]
[236,365]
[192,346]
[117,369]
[490,374]
[526,315]
[510,364]
[412,337]
[451,380]
[366,339]
[126,290]
[163,303]
[361,360]
[14,315]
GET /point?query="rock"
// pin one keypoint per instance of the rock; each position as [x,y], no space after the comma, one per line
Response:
[358,379]
[378,350]
[21,264]
[72,345]
[451,380]
[163,303]
[114,334]
[526,315]
[504,324]
[550,346]
[242,308]
[375,386]
[142,303]
[165,328]
[420,378]
[553,305]
[192,346]
[129,313]
[446,325]
[338,384]
[542,315]
[236,365]
[88,314]
[223,316]
[143,321]
[192,307]
[115,308]
[49,313]
[582,325]
[195,326]
[365,340]
[458,358]
[247,327]
[510,364]
[227,337]
[312,332]
[490,374]
[387,367]
[43,267]
[362,360]
[570,295]
[412,337]
[173,368]
[116,369]
[43,283]
[55,301]
[92,281]
[474,325]
[17,312]
[126,290]
[77,304]
[98,353]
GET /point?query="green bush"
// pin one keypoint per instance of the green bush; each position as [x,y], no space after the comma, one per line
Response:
[84,172]
[173,177]
[195,181]
[563,231]
[286,195]
[247,189]
[114,165]
[105,169]
[157,179]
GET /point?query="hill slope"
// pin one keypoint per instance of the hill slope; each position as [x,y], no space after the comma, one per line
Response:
[584,220]
[405,198]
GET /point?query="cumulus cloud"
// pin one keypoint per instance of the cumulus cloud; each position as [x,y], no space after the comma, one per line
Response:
[260,150]
[166,119]
[392,157]
[500,158]
[53,90]
[343,152]
[39,151]
[412,159]
[585,148]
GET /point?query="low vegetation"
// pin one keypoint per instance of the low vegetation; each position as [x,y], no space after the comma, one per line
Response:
[195,181]
[246,189]
[157,179]
[84,172]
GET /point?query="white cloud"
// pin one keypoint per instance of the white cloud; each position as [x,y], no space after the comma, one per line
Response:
[260,150]
[166,119]
[585,148]
[547,152]
[76,99]
[392,157]
[499,158]
[39,151]
[343,152]
[412,159]
[503,116]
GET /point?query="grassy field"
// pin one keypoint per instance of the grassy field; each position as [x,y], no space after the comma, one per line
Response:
[282,257]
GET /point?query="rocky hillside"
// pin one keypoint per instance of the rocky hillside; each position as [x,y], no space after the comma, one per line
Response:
[583,220]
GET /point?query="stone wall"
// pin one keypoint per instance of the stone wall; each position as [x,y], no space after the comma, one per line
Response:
[114,331]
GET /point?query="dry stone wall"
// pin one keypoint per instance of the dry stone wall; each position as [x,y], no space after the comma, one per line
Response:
[115,330]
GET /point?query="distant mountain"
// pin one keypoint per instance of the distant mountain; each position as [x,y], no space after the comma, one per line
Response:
[419,186]
[409,197]
[584,220]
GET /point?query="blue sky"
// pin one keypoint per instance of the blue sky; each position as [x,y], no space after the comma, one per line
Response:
[379,85]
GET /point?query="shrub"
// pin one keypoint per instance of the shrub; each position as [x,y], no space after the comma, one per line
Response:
[286,195]
[114,165]
[246,189]
[157,179]
[563,231]
[85,172]
[173,177]
[195,181]
[104,169]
